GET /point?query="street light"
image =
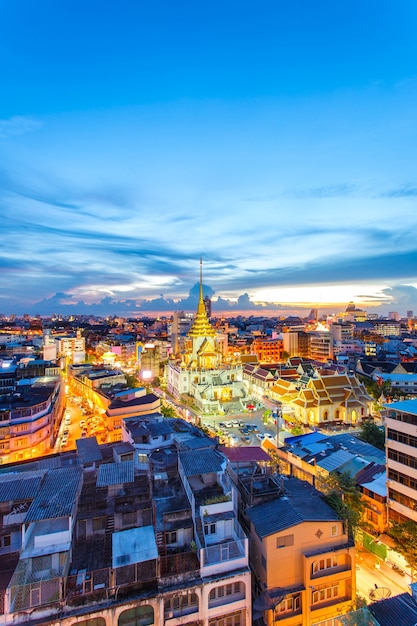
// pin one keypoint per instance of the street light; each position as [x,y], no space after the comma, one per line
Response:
[277,415]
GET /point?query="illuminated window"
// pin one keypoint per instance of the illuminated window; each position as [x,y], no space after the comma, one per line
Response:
[289,605]
[324,564]
[326,594]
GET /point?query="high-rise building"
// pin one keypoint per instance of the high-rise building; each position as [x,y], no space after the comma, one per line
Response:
[401,448]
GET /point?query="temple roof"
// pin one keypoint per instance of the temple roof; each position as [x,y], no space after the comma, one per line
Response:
[201,326]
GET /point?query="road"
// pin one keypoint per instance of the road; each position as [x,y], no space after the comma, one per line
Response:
[368,575]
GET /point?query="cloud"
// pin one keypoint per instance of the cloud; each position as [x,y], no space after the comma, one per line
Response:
[18,125]
[408,190]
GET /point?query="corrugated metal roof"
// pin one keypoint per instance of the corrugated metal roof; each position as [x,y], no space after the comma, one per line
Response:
[401,609]
[115,474]
[199,462]
[335,460]
[20,486]
[88,450]
[56,495]
[406,406]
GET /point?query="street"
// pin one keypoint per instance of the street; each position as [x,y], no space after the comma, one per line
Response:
[370,571]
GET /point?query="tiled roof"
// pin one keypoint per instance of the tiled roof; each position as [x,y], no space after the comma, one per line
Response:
[115,474]
[201,462]
[301,504]
[56,495]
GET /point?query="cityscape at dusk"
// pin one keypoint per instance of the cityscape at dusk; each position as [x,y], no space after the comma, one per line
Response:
[277,141]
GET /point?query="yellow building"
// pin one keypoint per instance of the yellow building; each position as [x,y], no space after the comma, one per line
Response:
[203,371]
[302,557]
[324,398]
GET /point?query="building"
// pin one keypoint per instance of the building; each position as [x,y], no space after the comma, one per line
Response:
[324,397]
[30,418]
[212,381]
[303,559]
[401,445]
[91,538]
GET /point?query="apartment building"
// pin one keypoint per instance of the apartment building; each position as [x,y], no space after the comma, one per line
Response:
[302,557]
[30,418]
[401,449]
[92,538]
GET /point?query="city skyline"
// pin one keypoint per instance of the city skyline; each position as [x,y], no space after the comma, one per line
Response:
[276,142]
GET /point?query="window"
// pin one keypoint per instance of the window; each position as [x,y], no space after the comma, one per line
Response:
[334,531]
[323,564]
[209,529]
[284,542]
[138,616]
[232,619]
[129,519]
[226,593]
[99,523]
[142,458]
[5,541]
[325,594]
[171,537]
[95,621]
[181,605]
[41,563]
[263,562]
[289,605]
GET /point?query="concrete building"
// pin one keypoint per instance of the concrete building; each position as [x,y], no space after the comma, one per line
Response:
[30,418]
[303,559]
[401,446]
[90,538]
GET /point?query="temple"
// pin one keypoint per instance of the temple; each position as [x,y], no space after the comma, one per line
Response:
[203,370]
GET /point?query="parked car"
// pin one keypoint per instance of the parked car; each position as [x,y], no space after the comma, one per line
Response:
[260,436]
[234,439]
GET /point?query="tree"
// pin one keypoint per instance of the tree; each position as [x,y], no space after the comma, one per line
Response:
[344,497]
[405,539]
[168,411]
[373,434]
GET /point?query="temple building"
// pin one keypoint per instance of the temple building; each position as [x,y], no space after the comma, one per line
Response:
[201,370]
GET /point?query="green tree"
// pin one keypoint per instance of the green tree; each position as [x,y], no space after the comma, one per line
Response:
[373,434]
[344,497]
[405,539]
[168,411]
[131,381]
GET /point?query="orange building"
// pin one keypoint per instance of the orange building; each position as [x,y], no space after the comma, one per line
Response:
[303,559]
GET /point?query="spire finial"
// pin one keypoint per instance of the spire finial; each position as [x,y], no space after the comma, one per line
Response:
[201,278]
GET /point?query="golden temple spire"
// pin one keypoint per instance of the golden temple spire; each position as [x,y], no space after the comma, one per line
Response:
[201,326]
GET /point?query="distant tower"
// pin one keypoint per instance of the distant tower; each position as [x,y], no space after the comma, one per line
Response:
[409,314]
[313,316]
[207,304]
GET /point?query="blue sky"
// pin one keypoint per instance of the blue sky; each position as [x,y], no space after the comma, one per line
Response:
[275,139]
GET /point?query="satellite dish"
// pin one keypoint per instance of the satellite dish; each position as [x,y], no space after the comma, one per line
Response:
[269,599]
